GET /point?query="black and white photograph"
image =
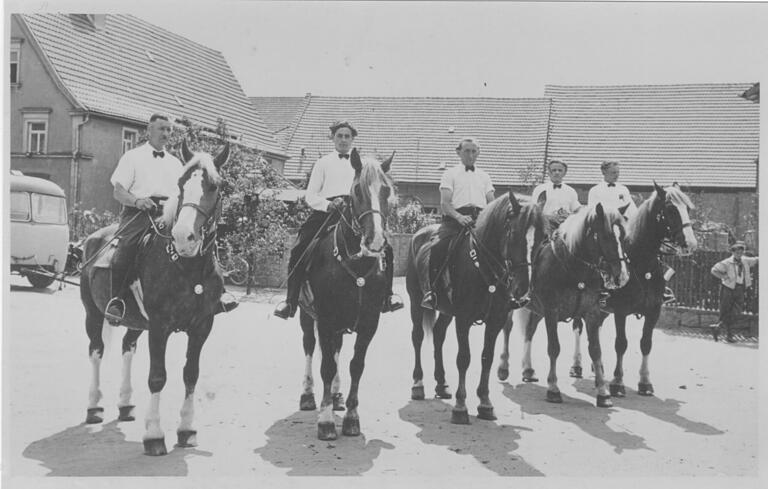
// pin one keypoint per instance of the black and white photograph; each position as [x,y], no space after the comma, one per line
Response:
[398,244]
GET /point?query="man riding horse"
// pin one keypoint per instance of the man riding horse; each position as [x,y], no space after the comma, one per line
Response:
[560,199]
[144,176]
[465,190]
[329,186]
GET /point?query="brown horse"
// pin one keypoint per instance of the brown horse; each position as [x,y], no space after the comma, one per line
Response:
[181,286]
[569,272]
[347,287]
[490,271]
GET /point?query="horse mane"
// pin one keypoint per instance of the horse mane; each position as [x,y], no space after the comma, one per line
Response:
[199,160]
[573,229]
[495,214]
[640,222]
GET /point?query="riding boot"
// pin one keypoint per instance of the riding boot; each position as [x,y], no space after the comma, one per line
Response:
[287,308]
[391,302]
[115,310]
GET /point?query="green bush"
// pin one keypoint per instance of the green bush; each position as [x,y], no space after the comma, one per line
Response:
[409,218]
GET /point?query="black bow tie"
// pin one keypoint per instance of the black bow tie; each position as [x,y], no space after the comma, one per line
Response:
[469,168]
[557,185]
[611,184]
[158,154]
[341,156]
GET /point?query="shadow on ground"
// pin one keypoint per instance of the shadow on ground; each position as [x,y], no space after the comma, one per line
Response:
[96,450]
[664,410]
[490,443]
[293,444]
[585,415]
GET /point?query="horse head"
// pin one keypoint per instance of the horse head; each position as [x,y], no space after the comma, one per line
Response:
[198,203]
[526,229]
[371,194]
[604,240]
[673,215]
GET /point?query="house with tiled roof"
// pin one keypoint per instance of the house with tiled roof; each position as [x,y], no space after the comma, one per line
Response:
[83,87]
[424,132]
[278,113]
[703,136]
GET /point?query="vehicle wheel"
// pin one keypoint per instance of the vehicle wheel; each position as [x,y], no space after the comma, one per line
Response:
[238,270]
[39,281]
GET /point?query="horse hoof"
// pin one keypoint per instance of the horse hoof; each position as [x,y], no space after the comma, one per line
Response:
[307,402]
[502,373]
[459,416]
[443,392]
[326,431]
[95,415]
[126,413]
[554,396]
[529,375]
[338,402]
[604,401]
[417,393]
[645,389]
[350,426]
[486,412]
[186,438]
[617,390]
[575,372]
[155,447]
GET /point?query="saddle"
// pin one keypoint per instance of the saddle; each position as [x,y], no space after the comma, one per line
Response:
[443,286]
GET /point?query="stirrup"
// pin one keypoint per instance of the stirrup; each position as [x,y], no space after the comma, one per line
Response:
[285,310]
[669,296]
[391,304]
[429,301]
[118,311]
[603,301]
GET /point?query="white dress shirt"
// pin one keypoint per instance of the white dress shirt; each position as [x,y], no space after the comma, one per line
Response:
[331,176]
[563,198]
[615,196]
[469,187]
[145,175]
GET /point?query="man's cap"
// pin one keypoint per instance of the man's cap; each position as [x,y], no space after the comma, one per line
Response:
[739,244]
[339,124]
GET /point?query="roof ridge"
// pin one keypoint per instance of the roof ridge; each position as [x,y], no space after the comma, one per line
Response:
[297,120]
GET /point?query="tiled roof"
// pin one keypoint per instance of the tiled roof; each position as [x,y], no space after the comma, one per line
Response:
[278,113]
[424,131]
[131,68]
[703,135]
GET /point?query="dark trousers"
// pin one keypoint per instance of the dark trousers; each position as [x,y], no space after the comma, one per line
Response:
[297,268]
[446,234]
[133,224]
[731,305]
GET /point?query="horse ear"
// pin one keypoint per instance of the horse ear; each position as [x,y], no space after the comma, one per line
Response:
[186,154]
[387,163]
[660,193]
[514,203]
[675,184]
[222,157]
[354,158]
[542,198]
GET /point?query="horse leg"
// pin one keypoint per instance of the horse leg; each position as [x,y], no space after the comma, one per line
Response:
[186,434]
[553,350]
[595,353]
[154,438]
[459,414]
[307,400]
[578,326]
[336,395]
[442,391]
[417,338]
[351,423]
[503,371]
[644,387]
[617,384]
[531,321]
[124,405]
[485,409]
[326,429]
[94,321]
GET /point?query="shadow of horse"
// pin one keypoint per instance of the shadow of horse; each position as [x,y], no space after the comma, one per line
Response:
[594,422]
[490,443]
[664,410]
[82,451]
[293,444]
[36,290]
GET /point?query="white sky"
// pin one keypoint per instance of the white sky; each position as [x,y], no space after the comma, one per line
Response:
[494,49]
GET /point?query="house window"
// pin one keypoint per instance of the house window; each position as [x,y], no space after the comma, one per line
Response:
[15,57]
[36,136]
[129,139]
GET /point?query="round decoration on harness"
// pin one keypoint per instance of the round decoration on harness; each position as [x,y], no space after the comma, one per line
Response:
[198,289]
[360,282]
[491,289]
[580,285]
[647,275]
